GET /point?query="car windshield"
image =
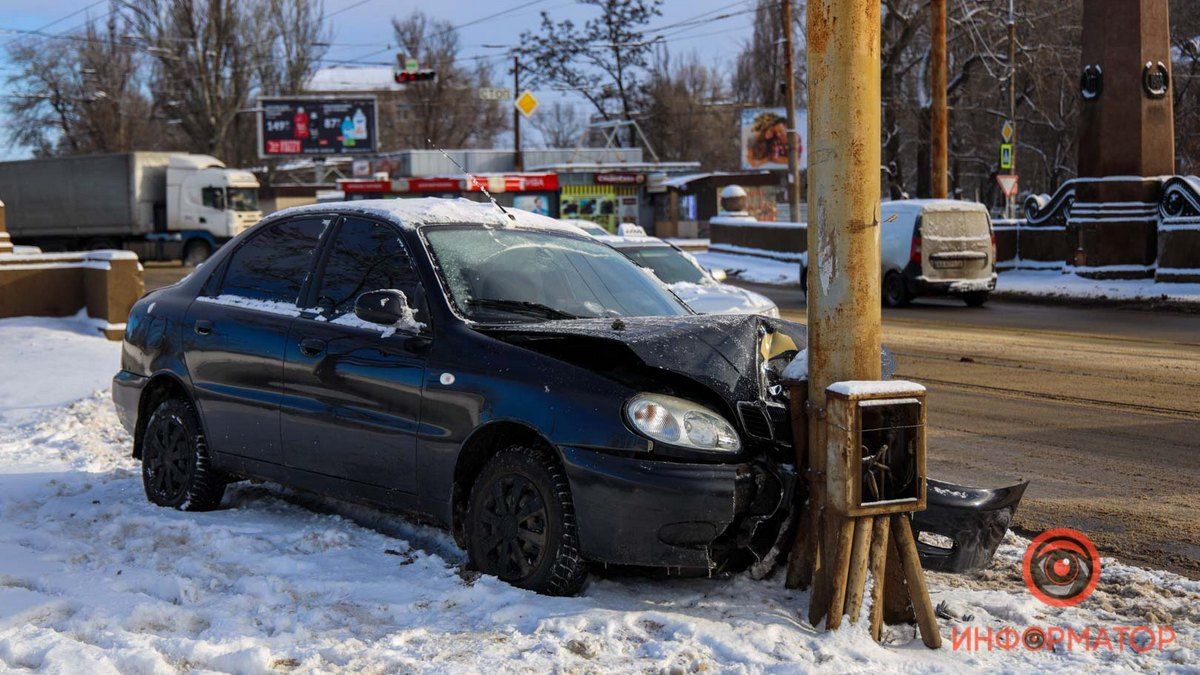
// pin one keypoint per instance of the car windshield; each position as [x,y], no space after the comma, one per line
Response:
[243,199]
[513,276]
[668,264]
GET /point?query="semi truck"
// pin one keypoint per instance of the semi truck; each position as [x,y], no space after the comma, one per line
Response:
[160,205]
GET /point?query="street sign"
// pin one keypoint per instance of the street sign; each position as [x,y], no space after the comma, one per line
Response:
[312,125]
[1008,184]
[1007,131]
[526,103]
[495,93]
[411,65]
[1006,158]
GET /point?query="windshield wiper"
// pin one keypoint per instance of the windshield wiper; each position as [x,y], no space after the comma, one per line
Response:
[521,307]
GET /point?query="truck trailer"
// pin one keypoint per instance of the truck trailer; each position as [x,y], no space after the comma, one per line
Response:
[160,205]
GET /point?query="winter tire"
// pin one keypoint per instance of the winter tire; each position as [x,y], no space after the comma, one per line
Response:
[195,253]
[176,469]
[894,292]
[975,299]
[521,523]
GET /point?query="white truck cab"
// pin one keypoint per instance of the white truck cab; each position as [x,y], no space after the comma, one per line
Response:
[203,195]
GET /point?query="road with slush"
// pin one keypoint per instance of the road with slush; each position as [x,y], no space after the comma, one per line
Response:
[1098,407]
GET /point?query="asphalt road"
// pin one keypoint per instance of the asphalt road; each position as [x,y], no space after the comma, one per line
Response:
[1099,408]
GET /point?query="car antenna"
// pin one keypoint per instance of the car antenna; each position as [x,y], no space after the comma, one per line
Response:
[473,180]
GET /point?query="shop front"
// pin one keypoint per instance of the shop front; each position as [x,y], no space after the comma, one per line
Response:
[536,192]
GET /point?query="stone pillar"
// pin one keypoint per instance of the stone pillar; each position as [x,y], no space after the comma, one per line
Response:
[1126,137]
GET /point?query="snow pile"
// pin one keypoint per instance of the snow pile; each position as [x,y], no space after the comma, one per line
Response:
[435,210]
[1056,284]
[95,579]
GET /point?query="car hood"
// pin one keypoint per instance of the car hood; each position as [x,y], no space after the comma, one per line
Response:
[721,298]
[719,351]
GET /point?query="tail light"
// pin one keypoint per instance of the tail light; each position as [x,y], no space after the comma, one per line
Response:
[914,256]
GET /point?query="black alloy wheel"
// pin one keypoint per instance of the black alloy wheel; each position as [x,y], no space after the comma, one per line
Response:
[894,292]
[521,523]
[176,471]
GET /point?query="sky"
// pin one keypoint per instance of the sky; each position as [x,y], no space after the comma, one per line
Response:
[362,28]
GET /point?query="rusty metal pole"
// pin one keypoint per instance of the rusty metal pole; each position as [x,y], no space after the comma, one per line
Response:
[843,234]
[1010,210]
[938,111]
[789,92]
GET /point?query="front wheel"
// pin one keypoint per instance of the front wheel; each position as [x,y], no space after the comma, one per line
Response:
[176,471]
[975,298]
[521,523]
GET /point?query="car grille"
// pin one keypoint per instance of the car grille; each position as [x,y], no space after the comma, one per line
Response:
[754,419]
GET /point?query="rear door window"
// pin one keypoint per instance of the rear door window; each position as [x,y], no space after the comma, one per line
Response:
[365,256]
[273,265]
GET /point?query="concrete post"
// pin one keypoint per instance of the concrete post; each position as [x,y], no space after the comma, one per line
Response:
[5,243]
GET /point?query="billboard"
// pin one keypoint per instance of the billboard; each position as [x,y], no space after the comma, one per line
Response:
[764,138]
[299,125]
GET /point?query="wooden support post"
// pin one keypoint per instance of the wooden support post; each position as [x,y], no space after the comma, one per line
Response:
[800,564]
[858,566]
[917,590]
[839,570]
[879,555]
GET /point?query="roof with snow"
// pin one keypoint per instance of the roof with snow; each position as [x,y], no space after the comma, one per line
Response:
[353,78]
[435,211]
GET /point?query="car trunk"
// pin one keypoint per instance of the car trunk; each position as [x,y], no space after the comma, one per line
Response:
[956,244]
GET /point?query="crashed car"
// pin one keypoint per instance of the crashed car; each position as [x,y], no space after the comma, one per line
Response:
[520,383]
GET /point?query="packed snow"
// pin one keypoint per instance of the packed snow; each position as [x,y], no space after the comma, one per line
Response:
[1053,283]
[95,579]
[435,210]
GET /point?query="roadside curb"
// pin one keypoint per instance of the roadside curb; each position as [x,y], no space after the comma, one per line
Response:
[1144,304]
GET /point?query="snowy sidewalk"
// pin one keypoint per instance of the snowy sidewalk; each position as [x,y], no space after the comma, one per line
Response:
[95,579]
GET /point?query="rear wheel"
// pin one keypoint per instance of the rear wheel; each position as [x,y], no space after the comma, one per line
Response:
[521,523]
[196,252]
[894,292]
[176,470]
[975,299]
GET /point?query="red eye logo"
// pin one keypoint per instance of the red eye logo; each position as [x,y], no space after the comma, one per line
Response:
[1061,567]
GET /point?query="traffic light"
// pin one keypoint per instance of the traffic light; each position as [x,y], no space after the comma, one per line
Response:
[406,76]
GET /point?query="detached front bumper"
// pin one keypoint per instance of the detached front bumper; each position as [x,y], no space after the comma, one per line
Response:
[962,526]
[653,513]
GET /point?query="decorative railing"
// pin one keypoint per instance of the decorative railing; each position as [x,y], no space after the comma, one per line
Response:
[1046,210]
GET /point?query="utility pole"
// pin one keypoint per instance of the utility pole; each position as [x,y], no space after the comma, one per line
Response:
[789,92]
[518,162]
[938,113]
[1011,206]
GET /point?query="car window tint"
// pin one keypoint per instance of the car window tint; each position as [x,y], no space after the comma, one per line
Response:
[366,256]
[272,265]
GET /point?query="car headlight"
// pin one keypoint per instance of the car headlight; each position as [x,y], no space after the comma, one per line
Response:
[772,311]
[676,421]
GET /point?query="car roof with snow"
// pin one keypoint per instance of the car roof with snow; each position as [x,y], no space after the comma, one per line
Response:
[419,212]
[617,241]
[920,205]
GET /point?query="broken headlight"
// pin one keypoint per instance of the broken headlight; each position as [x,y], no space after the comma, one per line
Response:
[676,421]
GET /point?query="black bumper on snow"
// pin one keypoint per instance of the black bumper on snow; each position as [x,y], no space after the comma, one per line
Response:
[126,394]
[967,524]
[670,514]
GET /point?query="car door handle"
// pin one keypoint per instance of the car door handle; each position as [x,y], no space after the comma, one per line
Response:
[312,346]
[203,327]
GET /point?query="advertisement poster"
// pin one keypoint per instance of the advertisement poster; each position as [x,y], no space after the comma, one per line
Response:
[538,204]
[598,207]
[764,138]
[762,201]
[316,126]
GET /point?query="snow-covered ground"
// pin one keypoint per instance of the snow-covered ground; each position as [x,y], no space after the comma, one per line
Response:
[94,579]
[1035,283]
[1053,283]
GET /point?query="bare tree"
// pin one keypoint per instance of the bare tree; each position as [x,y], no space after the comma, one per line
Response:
[689,113]
[603,60]
[758,70]
[560,124]
[80,93]
[295,40]
[447,110]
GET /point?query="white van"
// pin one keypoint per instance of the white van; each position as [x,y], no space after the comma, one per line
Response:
[937,247]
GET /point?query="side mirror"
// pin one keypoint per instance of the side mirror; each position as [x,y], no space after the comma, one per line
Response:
[718,275]
[386,308]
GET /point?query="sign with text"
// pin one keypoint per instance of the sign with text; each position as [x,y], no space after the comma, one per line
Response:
[310,126]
